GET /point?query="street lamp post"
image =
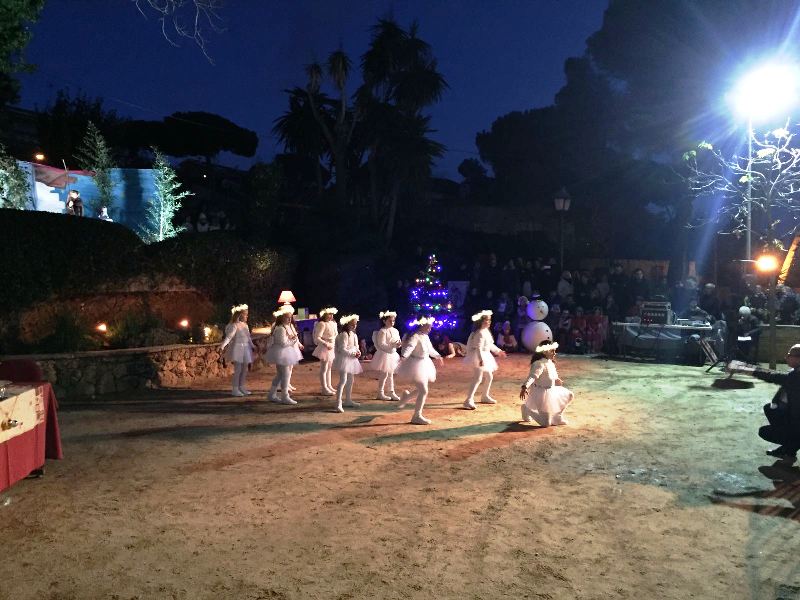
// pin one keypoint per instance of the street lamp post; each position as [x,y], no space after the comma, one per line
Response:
[768,264]
[767,91]
[561,203]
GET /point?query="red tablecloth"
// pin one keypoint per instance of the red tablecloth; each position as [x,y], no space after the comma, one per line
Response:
[27,452]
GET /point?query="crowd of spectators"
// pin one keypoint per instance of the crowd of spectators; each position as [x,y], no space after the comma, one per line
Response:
[582,303]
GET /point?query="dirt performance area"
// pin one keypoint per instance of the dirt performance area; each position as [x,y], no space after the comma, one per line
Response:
[658,488]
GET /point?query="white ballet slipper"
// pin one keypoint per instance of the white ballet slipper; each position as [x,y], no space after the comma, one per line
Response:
[393,396]
[469,404]
[404,399]
[288,400]
[383,397]
[420,420]
[246,392]
[236,393]
[488,400]
[351,403]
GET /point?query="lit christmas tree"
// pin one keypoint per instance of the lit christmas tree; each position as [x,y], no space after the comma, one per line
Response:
[430,298]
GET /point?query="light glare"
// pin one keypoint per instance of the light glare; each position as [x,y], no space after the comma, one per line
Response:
[768,91]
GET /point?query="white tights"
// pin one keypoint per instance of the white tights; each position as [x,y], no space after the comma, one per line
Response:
[325,374]
[386,377]
[239,376]
[281,380]
[422,395]
[345,388]
[478,376]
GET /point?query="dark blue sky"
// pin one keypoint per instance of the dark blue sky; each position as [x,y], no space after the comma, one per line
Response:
[497,56]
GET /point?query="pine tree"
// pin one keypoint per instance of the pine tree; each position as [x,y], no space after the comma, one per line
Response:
[94,155]
[15,187]
[166,202]
[430,298]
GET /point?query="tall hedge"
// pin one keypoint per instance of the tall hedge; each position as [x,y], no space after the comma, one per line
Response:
[46,253]
[49,255]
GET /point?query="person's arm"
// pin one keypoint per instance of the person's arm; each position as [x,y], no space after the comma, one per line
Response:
[535,372]
[316,334]
[771,376]
[281,337]
[230,331]
[381,340]
[410,344]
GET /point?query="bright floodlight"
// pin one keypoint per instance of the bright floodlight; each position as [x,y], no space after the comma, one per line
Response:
[767,263]
[767,91]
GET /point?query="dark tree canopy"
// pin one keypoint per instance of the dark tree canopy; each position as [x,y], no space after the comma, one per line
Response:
[16,16]
[205,134]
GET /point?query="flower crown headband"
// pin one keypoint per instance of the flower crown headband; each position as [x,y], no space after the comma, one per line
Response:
[328,310]
[286,309]
[422,321]
[546,346]
[238,308]
[481,315]
[347,318]
[386,313]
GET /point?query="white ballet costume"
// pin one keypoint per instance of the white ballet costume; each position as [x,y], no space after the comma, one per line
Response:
[324,335]
[416,366]
[283,353]
[298,351]
[385,360]
[481,348]
[237,347]
[346,363]
[546,401]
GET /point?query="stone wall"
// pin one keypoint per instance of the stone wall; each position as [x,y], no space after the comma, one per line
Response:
[92,374]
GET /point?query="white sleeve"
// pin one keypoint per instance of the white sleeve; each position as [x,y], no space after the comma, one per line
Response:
[341,339]
[536,370]
[319,327]
[431,350]
[230,331]
[408,347]
[379,338]
[281,337]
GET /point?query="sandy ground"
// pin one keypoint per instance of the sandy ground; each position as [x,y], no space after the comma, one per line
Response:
[658,488]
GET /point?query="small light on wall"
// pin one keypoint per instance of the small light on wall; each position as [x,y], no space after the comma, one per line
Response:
[102,327]
[39,156]
[184,323]
[206,332]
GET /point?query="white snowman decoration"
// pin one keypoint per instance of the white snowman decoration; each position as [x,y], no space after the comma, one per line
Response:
[537,331]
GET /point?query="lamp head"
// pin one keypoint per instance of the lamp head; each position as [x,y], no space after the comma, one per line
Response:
[286,297]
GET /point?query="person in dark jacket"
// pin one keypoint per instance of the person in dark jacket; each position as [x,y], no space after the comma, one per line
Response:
[783,413]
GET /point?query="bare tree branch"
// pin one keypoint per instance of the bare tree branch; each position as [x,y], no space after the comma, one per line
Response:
[186,18]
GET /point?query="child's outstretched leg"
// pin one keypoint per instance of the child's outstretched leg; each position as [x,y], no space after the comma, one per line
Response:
[324,378]
[237,373]
[477,376]
[422,394]
[272,394]
[348,391]
[382,385]
[526,415]
[340,391]
[289,380]
[392,394]
[487,399]
[329,376]
[285,372]
[242,379]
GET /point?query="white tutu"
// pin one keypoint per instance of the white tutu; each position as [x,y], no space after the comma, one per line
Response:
[547,404]
[239,352]
[385,362]
[417,370]
[283,355]
[489,362]
[322,353]
[347,364]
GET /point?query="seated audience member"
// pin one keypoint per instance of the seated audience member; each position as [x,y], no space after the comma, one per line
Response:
[445,347]
[748,330]
[709,301]
[695,313]
[596,328]
[366,348]
[506,339]
[202,223]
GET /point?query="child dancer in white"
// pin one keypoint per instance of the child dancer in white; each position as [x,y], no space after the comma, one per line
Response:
[547,401]
[418,367]
[386,341]
[346,361]
[324,337]
[283,353]
[240,348]
[298,346]
[480,351]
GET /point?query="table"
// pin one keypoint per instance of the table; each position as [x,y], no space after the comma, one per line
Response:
[24,448]
[660,340]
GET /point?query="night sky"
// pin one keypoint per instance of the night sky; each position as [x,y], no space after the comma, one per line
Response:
[497,56]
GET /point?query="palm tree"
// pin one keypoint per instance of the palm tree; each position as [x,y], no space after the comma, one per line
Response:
[337,122]
[400,79]
[299,132]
